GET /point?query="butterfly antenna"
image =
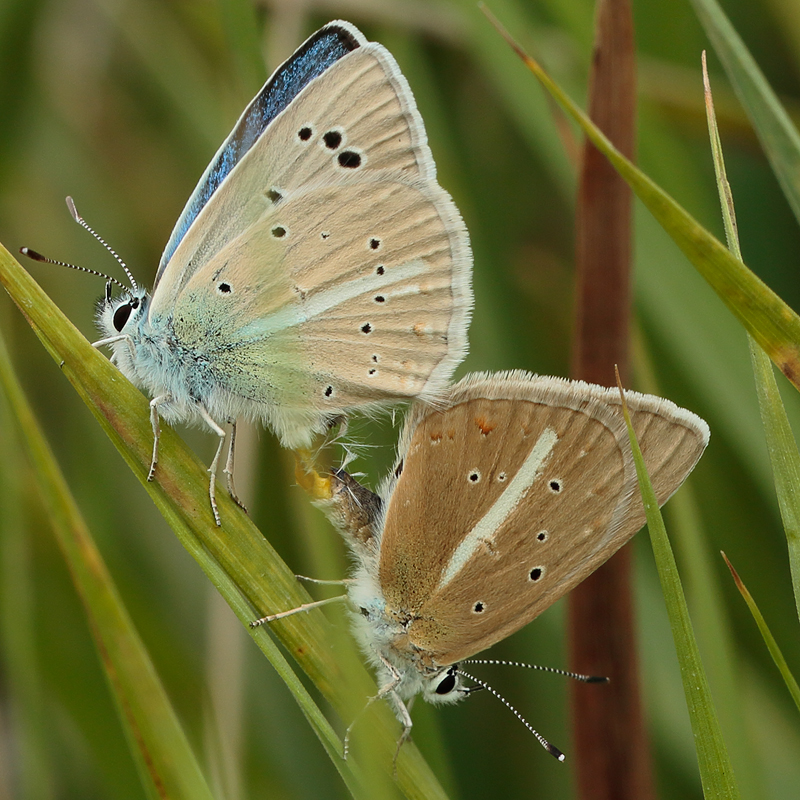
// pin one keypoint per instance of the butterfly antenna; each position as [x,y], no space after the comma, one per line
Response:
[552,749]
[554,670]
[82,222]
[33,255]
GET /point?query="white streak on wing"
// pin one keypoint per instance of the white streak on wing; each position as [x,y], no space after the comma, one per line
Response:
[486,528]
[321,302]
[412,288]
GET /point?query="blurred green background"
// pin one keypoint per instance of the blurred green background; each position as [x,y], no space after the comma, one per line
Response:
[121,104]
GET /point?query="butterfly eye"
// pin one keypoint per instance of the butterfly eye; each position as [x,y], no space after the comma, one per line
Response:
[447,684]
[122,314]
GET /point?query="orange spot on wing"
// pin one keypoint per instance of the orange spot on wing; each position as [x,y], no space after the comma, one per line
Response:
[436,437]
[421,329]
[485,426]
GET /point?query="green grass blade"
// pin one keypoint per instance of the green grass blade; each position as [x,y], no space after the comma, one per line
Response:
[167,766]
[781,444]
[716,771]
[769,639]
[784,457]
[237,558]
[26,720]
[776,132]
[771,322]
[703,585]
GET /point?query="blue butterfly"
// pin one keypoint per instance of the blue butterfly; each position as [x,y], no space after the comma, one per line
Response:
[318,268]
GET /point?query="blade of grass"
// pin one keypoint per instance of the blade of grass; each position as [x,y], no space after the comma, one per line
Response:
[784,457]
[530,109]
[26,714]
[782,447]
[769,639]
[167,766]
[237,558]
[772,323]
[776,132]
[705,595]
[716,772]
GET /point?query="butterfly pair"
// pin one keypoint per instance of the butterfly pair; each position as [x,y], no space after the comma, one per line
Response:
[319,269]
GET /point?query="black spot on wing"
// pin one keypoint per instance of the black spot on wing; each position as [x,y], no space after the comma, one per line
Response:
[349,159]
[332,139]
[536,574]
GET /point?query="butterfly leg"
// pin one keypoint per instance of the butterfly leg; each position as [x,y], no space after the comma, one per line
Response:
[123,337]
[305,607]
[404,712]
[387,690]
[212,470]
[154,424]
[228,471]
[342,582]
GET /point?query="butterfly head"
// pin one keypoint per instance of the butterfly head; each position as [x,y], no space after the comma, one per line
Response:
[445,686]
[122,315]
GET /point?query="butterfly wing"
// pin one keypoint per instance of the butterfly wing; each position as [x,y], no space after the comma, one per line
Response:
[335,205]
[512,496]
[311,59]
[359,307]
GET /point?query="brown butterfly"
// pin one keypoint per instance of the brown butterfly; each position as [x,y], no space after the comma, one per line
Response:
[500,502]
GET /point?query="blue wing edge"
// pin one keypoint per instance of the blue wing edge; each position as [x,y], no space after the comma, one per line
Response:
[317,54]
